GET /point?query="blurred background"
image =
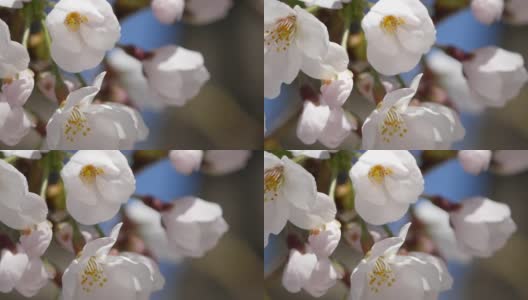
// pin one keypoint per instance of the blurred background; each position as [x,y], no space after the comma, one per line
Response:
[485,131]
[233,269]
[227,114]
[500,277]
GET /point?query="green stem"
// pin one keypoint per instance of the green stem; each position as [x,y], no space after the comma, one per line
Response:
[45,176]
[366,239]
[401,81]
[344,39]
[333,184]
[47,39]
[348,16]
[27,31]
[78,239]
[81,79]
[27,12]
[388,230]
[99,230]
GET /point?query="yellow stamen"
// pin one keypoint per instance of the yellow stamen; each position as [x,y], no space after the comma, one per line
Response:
[392,125]
[378,172]
[390,23]
[273,179]
[89,173]
[76,123]
[92,276]
[74,20]
[381,275]
[281,36]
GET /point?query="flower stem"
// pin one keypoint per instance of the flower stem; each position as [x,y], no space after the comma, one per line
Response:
[366,239]
[78,239]
[348,16]
[388,230]
[333,184]
[61,90]
[45,176]
[401,81]
[81,79]
[99,230]
[25,37]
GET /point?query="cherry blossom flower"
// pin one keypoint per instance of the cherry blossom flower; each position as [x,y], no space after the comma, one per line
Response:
[394,124]
[131,76]
[157,279]
[313,270]
[330,4]
[397,34]
[15,123]
[320,122]
[18,89]
[202,12]
[148,224]
[12,266]
[97,182]
[383,274]
[81,124]
[81,33]
[18,271]
[290,194]
[19,209]
[221,162]
[305,271]
[96,274]
[448,72]
[495,75]
[385,184]
[330,66]
[510,162]
[324,239]
[186,161]
[517,12]
[336,91]
[14,58]
[194,226]
[176,74]
[167,11]
[474,161]
[441,232]
[487,11]
[293,39]
[34,278]
[13,3]
[482,226]
[36,239]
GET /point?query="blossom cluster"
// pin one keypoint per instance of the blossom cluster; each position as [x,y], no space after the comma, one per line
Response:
[69,37]
[80,190]
[380,41]
[366,192]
